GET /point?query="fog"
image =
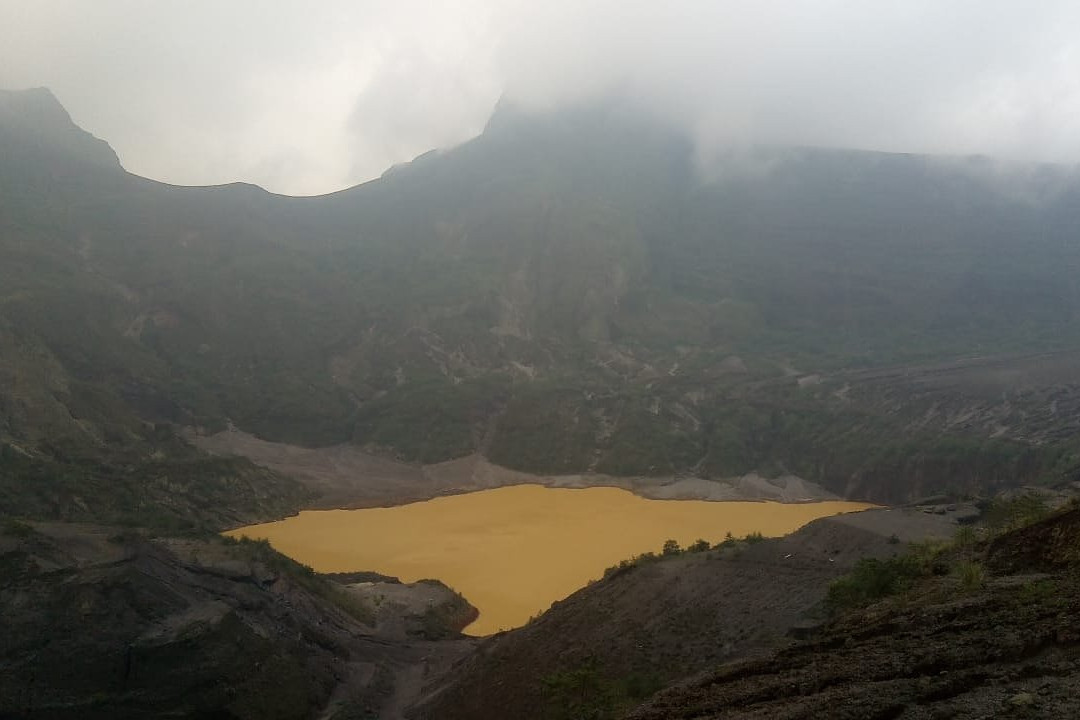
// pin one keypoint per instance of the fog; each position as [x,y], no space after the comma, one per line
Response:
[306,98]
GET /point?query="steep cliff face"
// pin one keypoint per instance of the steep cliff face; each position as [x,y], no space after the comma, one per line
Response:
[34,126]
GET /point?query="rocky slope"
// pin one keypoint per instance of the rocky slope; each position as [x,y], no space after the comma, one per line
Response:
[563,295]
[1006,647]
[646,626]
[102,622]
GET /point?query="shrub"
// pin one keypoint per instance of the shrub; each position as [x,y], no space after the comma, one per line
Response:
[639,686]
[580,693]
[729,541]
[971,574]
[1006,514]
[965,540]
[698,545]
[625,565]
[925,556]
[965,537]
[873,579]
[1037,591]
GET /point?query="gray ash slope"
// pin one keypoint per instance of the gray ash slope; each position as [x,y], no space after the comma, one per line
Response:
[1007,649]
[658,622]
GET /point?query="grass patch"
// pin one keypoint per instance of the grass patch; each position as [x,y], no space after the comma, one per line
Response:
[971,574]
[873,579]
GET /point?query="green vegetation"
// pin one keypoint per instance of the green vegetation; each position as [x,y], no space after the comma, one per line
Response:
[671,549]
[729,541]
[175,490]
[546,427]
[630,563]
[428,421]
[561,297]
[971,574]
[580,693]
[1038,591]
[1009,513]
[873,579]
[639,686]
[585,692]
[698,545]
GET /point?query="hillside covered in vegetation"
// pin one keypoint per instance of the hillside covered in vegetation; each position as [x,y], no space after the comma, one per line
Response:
[567,293]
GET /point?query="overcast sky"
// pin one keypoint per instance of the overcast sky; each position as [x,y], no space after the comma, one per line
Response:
[311,97]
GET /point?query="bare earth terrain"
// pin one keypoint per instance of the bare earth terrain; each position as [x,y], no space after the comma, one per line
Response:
[344,476]
[663,621]
[105,622]
[1008,648]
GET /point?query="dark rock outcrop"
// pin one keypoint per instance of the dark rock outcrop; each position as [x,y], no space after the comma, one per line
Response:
[105,623]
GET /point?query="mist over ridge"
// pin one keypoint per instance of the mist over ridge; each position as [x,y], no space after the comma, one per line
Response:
[569,292]
[305,101]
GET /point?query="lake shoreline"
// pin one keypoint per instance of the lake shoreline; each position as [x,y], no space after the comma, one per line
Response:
[512,551]
[344,477]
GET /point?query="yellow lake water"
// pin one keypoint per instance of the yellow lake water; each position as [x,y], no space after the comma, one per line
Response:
[512,551]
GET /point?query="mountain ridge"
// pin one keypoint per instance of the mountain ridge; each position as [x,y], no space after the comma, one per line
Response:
[564,294]
[35,120]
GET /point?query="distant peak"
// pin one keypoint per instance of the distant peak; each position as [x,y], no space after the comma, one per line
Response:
[37,104]
[35,125]
[40,94]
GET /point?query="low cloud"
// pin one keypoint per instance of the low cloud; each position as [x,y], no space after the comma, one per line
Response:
[306,98]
